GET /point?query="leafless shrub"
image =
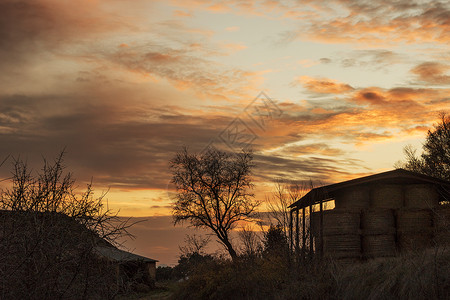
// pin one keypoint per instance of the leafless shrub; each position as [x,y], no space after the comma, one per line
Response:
[48,234]
[250,241]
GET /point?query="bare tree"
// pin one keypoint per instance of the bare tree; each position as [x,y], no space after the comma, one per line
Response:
[48,235]
[213,191]
[283,196]
[194,244]
[250,240]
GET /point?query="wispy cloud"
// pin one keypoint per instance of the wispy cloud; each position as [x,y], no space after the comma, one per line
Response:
[434,73]
[323,85]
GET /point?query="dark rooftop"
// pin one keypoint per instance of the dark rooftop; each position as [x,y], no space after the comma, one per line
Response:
[397,176]
[118,255]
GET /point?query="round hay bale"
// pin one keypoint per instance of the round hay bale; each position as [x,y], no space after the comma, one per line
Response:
[421,196]
[342,246]
[414,221]
[337,222]
[315,223]
[378,221]
[380,245]
[442,238]
[441,218]
[414,241]
[352,198]
[387,196]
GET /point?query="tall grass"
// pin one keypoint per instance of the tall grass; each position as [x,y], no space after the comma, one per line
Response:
[424,275]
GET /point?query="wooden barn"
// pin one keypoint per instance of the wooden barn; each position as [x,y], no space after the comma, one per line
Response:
[374,216]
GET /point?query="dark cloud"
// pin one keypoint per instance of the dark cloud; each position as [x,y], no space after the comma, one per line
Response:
[185,68]
[432,73]
[29,27]
[101,139]
[274,167]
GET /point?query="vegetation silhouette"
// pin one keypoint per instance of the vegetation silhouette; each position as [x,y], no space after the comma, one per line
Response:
[435,159]
[213,191]
[48,237]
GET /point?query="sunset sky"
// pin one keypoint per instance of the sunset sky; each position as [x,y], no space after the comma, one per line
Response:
[123,85]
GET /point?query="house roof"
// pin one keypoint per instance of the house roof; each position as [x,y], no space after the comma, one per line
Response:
[117,255]
[398,176]
[64,223]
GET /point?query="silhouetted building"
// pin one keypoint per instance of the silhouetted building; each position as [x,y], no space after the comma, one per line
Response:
[373,216]
[62,250]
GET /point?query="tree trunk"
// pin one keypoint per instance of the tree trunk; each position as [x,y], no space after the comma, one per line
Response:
[230,249]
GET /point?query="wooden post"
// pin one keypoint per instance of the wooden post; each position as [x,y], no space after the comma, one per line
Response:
[290,230]
[304,231]
[297,232]
[321,229]
[311,249]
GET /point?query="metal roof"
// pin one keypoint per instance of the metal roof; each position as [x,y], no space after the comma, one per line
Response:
[398,176]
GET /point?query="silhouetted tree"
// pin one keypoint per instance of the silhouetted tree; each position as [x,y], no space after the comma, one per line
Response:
[48,235]
[213,191]
[192,255]
[275,242]
[435,159]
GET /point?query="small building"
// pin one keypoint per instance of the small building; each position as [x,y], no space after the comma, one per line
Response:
[65,244]
[129,267]
[373,216]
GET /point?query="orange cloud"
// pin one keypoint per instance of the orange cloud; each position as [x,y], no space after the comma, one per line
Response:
[323,85]
[218,7]
[374,96]
[235,47]
[232,28]
[181,13]
[376,23]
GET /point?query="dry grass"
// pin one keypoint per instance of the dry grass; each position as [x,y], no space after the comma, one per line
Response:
[424,275]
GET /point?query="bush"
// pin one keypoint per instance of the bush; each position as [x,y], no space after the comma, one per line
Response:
[164,273]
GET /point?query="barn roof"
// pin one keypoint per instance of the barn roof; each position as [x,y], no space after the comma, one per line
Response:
[102,247]
[398,176]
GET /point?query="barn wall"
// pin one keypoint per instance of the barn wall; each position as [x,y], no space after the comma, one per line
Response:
[381,220]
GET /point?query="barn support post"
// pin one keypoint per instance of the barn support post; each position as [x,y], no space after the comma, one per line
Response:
[291,242]
[297,232]
[321,229]
[303,231]
[311,248]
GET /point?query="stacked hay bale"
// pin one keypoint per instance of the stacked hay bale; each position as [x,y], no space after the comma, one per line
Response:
[389,196]
[414,229]
[353,198]
[423,196]
[415,219]
[441,220]
[379,220]
[341,238]
[378,233]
